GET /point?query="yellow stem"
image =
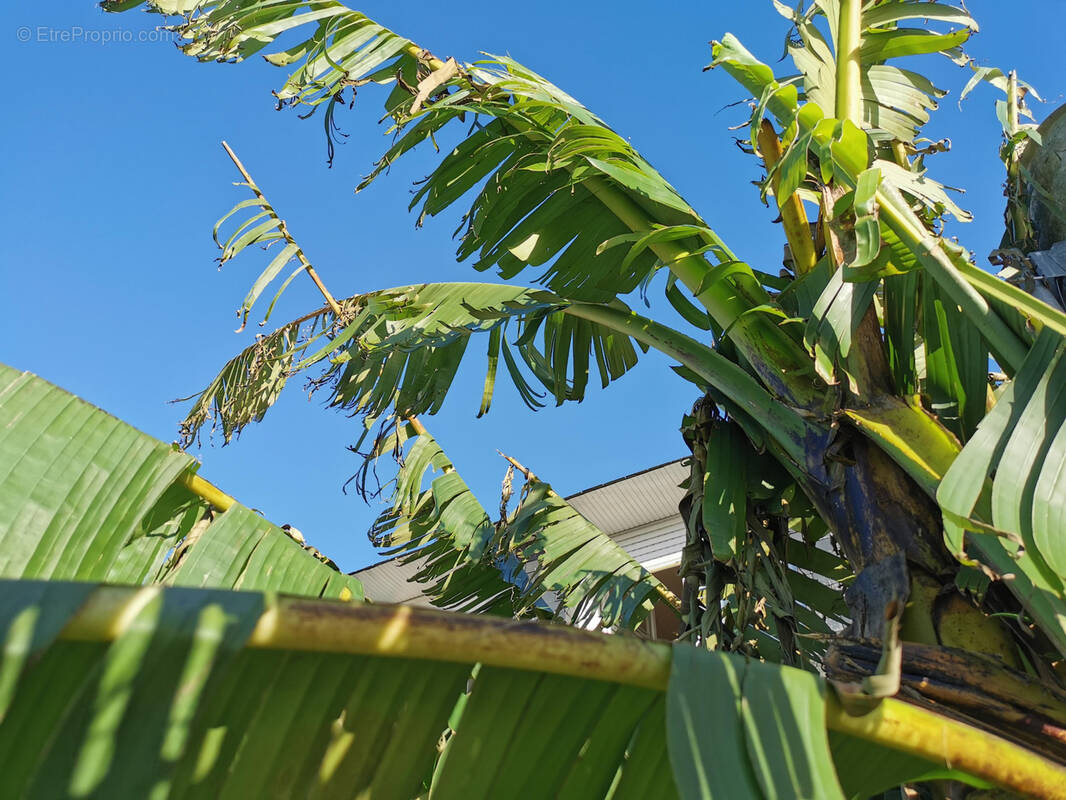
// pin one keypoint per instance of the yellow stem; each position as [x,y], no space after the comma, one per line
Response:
[849,62]
[518,466]
[910,436]
[398,631]
[793,215]
[1012,102]
[206,491]
[417,633]
[1019,219]
[955,744]
[899,153]
[431,61]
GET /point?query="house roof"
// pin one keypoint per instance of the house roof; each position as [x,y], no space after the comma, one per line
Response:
[633,501]
[392,581]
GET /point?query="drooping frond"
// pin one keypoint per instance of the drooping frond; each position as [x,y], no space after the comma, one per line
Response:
[556,183]
[542,557]
[86,497]
[405,350]
[343,48]
[251,382]
[398,350]
[535,130]
[544,163]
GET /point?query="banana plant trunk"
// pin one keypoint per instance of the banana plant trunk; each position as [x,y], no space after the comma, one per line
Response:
[886,526]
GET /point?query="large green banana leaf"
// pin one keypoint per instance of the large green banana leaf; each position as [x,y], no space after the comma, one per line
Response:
[84,496]
[170,692]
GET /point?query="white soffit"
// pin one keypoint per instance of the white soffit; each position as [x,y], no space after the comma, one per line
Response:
[633,501]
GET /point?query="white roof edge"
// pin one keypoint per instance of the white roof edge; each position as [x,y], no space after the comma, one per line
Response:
[615,481]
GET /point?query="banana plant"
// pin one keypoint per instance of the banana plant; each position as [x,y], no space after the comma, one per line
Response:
[222,659]
[855,392]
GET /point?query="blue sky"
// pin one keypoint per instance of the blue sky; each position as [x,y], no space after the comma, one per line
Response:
[113,178]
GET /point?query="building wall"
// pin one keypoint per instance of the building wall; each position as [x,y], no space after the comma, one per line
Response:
[655,545]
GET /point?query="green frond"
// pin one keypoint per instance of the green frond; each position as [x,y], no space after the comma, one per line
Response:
[407,351]
[1003,498]
[734,765]
[261,227]
[541,559]
[206,700]
[930,194]
[86,497]
[955,377]
[342,48]
[835,317]
[553,182]
[935,350]
[398,351]
[534,128]
[901,317]
[539,160]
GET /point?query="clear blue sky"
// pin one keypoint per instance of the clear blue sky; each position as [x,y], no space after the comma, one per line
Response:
[113,177]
